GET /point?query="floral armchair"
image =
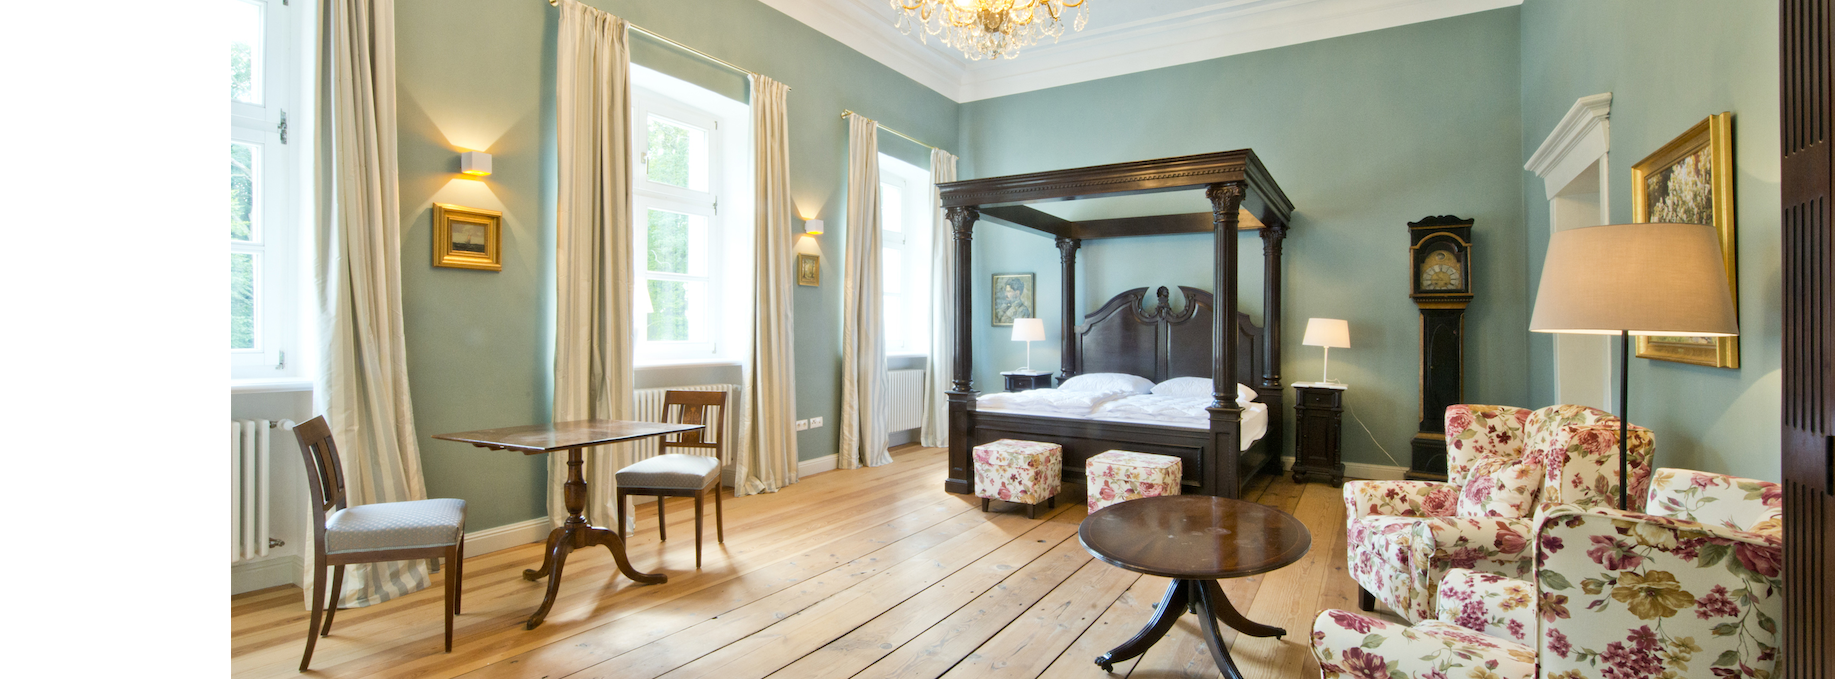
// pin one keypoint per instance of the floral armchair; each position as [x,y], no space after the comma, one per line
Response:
[1692,588]
[1505,465]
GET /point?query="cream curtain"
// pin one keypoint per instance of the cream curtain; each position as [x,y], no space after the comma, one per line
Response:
[593,257]
[766,455]
[863,346]
[362,385]
[942,361]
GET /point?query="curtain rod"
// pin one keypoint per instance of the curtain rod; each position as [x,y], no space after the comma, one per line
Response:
[847,112]
[697,52]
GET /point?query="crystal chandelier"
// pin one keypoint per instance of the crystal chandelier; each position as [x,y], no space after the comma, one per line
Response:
[989,28]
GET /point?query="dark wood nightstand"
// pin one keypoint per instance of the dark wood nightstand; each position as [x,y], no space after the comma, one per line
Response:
[1022,380]
[1318,420]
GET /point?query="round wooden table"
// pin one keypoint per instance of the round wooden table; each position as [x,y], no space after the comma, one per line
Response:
[1195,540]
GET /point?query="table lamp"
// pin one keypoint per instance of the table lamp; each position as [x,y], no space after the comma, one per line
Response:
[1634,279]
[1027,330]
[1328,333]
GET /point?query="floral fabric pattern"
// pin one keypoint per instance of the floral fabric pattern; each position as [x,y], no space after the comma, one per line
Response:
[1119,475]
[1628,595]
[1574,449]
[1356,646]
[1026,472]
[1489,603]
[1499,488]
[1718,500]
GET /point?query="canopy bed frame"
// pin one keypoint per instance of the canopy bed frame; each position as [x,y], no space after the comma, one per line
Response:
[1157,344]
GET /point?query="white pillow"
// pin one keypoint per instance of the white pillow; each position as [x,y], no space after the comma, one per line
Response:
[1132,384]
[1197,387]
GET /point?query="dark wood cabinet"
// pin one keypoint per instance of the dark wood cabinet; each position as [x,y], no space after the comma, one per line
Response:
[1318,421]
[1021,381]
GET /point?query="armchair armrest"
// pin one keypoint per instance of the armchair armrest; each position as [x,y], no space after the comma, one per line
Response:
[1620,588]
[1486,544]
[1718,499]
[1488,603]
[1399,498]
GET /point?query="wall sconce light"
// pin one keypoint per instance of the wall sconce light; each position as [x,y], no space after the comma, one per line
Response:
[812,227]
[475,163]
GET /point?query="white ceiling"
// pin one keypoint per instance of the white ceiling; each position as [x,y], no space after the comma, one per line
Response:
[1123,36]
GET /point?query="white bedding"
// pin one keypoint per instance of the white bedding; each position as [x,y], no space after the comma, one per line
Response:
[1136,408]
[1049,401]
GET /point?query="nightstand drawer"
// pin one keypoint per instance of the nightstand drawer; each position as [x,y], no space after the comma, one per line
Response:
[1321,398]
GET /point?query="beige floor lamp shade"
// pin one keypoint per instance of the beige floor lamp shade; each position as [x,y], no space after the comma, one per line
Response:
[1634,279]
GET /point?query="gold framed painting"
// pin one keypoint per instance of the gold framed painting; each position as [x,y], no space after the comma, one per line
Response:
[808,270]
[1690,181]
[467,237]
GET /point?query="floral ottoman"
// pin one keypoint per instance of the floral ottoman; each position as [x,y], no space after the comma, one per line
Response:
[1120,476]
[1025,472]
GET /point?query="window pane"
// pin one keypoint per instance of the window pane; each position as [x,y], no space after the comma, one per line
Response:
[895,322]
[892,270]
[244,173]
[243,269]
[680,311]
[676,243]
[245,58]
[677,154]
[891,208]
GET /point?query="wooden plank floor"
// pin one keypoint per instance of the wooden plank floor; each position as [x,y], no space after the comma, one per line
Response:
[863,573]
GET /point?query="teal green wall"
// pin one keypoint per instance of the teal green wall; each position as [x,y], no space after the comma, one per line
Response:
[1365,133]
[479,74]
[1668,65]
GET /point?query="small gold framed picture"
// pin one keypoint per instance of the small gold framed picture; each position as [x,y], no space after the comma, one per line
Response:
[809,270]
[467,237]
[1690,181]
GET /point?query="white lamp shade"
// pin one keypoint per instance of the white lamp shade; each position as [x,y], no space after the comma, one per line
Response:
[1643,279]
[1028,329]
[1327,332]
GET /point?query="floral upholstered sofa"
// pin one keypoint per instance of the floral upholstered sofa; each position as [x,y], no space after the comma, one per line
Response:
[1504,466]
[1692,588]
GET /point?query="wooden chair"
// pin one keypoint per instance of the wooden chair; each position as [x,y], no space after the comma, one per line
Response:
[682,475]
[385,531]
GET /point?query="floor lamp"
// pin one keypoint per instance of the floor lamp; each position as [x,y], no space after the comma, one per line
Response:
[1634,279]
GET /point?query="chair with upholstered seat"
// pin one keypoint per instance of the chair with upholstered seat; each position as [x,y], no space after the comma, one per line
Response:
[385,531]
[679,474]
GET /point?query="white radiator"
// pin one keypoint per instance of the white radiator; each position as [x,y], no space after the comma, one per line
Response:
[251,503]
[649,406]
[905,399]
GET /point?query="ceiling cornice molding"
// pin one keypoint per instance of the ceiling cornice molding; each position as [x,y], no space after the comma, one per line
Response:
[1210,31]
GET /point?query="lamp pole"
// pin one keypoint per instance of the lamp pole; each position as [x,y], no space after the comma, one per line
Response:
[1624,417]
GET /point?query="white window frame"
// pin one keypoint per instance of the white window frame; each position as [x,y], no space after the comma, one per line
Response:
[913,246]
[278,241]
[726,205]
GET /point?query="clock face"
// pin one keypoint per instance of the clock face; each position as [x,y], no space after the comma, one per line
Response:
[1440,272]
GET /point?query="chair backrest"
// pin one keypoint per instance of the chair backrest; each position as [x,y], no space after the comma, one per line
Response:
[324,470]
[1749,505]
[1475,433]
[697,407]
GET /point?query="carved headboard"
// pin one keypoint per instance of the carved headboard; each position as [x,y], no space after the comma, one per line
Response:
[1158,344]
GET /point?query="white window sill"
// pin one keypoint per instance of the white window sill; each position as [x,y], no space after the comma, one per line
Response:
[687,363]
[270,385]
[909,354]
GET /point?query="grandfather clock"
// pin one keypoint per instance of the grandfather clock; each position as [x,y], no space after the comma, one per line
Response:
[1440,259]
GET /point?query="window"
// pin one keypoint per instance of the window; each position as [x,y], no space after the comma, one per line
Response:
[263,193]
[904,220]
[691,199]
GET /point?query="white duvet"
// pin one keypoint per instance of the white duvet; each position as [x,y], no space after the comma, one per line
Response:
[1050,401]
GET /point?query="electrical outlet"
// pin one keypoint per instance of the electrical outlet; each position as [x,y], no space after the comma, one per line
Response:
[815,423]
[802,425]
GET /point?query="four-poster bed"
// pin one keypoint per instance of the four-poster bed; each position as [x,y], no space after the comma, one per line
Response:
[1208,338]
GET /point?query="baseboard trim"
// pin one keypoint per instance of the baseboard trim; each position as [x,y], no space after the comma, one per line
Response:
[507,536]
[812,467]
[254,575]
[1359,470]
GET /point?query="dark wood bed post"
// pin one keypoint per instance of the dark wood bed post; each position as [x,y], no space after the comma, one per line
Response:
[961,395]
[1271,391]
[1067,256]
[1226,416]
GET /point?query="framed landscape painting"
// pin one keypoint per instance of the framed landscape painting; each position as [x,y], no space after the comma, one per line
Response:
[467,237]
[1690,181]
